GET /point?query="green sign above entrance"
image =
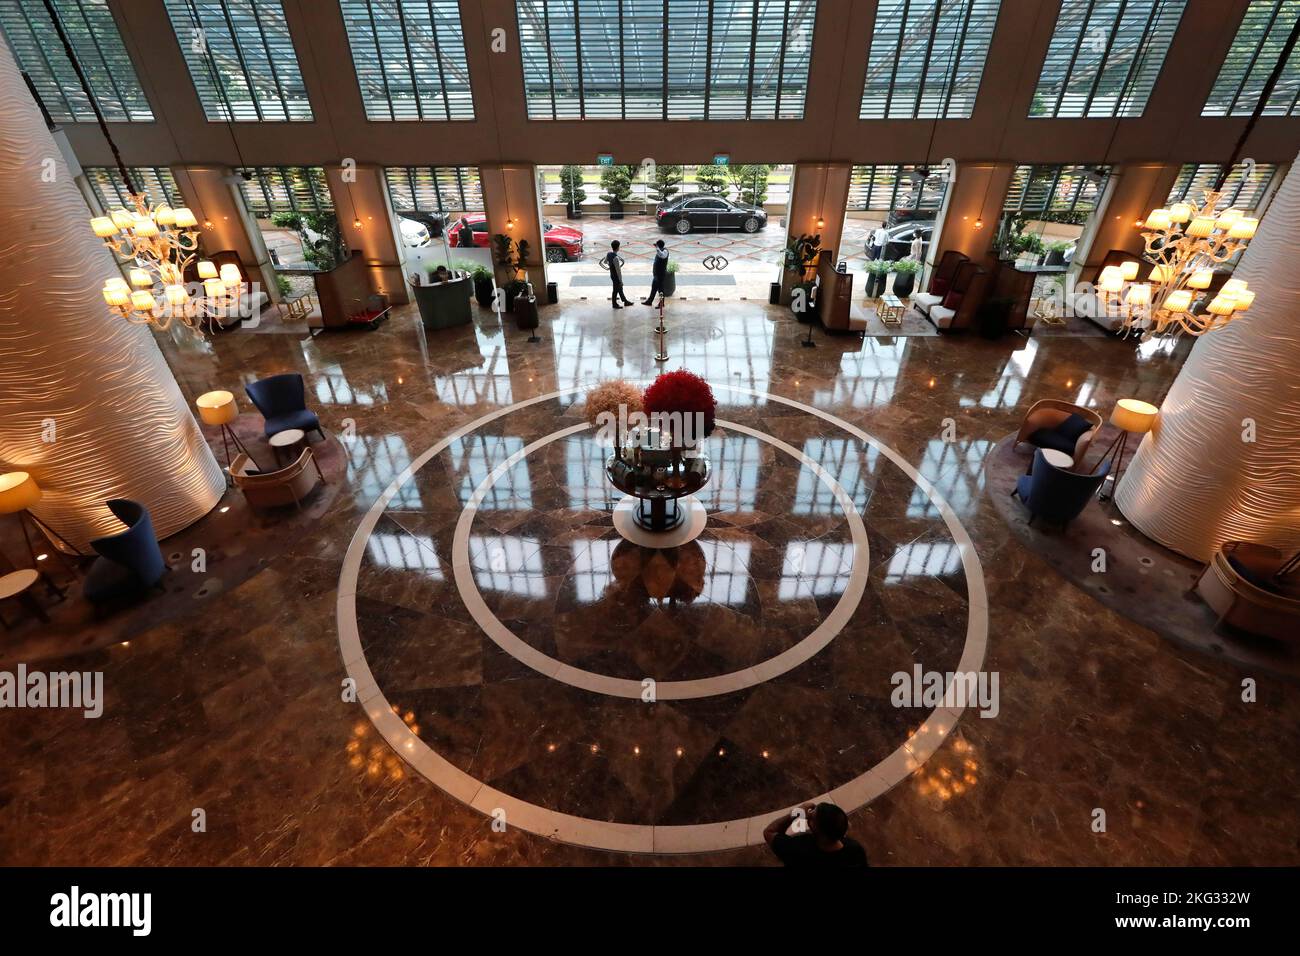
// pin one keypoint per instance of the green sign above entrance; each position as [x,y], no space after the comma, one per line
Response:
[605,159]
[721,159]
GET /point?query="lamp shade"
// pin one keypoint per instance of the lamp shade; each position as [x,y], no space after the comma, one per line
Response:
[1161,273]
[207,269]
[1158,220]
[17,491]
[1200,279]
[229,274]
[1180,212]
[1111,279]
[1130,415]
[217,408]
[1178,301]
[1129,270]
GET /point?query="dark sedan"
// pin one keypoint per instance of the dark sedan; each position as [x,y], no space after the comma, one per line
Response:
[714,213]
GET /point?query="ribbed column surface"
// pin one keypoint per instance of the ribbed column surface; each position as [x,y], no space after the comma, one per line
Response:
[1195,482]
[71,369]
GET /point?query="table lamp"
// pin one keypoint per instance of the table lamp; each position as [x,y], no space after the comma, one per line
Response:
[1130,417]
[18,492]
[219,408]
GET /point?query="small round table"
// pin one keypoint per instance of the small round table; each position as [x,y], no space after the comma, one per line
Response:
[1057,459]
[289,440]
[18,585]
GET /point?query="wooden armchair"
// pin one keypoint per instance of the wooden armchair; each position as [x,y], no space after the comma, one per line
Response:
[1044,417]
[270,489]
[940,281]
[964,297]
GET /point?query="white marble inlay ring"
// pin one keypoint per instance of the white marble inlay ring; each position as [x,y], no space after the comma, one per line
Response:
[791,657]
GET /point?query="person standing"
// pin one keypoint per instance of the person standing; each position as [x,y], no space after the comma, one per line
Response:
[658,272]
[615,263]
[878,240]
[917,248]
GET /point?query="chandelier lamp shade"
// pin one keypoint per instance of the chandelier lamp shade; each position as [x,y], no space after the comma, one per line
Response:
[1184,245]
[160,243]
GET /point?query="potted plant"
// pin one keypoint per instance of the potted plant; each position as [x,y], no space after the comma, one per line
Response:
[571,192]
[905,273]
[670,280]
[616,181]
[992,315]
[877,273]
[1056,253]
[798,263]
[481,276]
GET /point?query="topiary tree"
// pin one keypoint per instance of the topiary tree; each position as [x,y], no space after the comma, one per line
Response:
[711,179]
[571,192]
[750,181]
[616,181]
[665,184]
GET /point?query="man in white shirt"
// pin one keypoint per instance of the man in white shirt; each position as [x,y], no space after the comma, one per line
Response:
[878,239]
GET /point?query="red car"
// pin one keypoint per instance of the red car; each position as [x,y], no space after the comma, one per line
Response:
[562,243]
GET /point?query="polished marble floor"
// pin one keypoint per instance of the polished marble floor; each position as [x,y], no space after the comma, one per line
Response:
[239,710]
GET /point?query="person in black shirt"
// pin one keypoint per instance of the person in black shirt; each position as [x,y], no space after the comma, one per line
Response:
[659,272]
[615,263]
[822,842]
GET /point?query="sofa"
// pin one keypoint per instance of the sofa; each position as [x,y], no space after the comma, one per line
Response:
[963,299]
[940,281]
[129,562]
[1060,425]
[1057,495]
[284,486]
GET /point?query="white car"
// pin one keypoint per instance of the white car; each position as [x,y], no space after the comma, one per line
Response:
[415,234]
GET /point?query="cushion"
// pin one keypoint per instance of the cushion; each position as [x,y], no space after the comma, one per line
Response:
[1073,426]
[953,300]
[1051,438]
[940,286]
[941,317]
[926,300]
[303,418]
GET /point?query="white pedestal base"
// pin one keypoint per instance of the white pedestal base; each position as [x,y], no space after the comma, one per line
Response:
[690,528]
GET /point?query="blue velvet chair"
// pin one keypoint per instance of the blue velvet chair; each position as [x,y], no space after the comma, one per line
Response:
[130,561]
[282,400]
[1056,494]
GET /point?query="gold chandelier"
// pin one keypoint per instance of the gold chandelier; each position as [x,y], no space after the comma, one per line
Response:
[1183,246]
[161,243]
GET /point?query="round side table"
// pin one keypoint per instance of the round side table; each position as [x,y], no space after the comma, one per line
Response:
[18,585]
[288,442]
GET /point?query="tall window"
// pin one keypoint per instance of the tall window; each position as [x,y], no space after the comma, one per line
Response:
[1105,56]
[1244,187]
[156,182]
[896,188]
[1252,57]
[241,59]
[410,58]
[99,49]
[434,189]
[666,59]
[272,189]
[1056,189]
[927,57]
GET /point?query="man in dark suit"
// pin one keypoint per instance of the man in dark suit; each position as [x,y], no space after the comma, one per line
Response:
[658,272]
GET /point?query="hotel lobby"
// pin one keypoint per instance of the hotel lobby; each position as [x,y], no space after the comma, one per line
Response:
[943,468]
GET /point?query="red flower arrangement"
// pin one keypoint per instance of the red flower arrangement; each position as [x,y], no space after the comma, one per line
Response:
[683,392]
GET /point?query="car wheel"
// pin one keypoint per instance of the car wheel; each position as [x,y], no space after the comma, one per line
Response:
[683,226]
[750,224]
[555,254]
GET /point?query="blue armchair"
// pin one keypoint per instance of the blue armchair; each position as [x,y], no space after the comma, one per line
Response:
[282,400]
[1056,494]
[128,562]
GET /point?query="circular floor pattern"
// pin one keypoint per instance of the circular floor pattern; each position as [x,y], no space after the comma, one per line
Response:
[822,635]
[593,829]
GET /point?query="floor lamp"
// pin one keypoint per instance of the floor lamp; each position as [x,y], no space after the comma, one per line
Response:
[219,408]
[1130,417]
[18,492]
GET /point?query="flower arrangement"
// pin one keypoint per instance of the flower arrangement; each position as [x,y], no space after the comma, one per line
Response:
[684,393]
[608,398]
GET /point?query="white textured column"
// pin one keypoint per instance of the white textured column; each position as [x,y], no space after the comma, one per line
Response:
[1194,482]
[72,370]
